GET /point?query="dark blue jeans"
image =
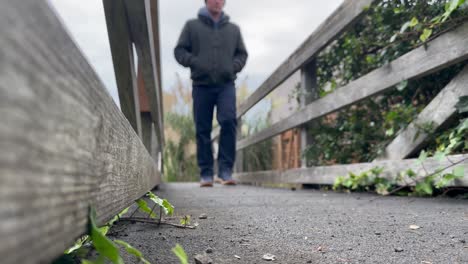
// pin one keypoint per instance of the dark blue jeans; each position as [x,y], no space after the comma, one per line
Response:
[205,98]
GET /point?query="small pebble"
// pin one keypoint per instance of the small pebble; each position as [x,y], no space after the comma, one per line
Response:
[203,259]
[209,250]
[269,257]
[398,249]
[203,216]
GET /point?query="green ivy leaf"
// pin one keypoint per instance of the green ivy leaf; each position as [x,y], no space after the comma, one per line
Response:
[78,244]
[390,132]
[410,173]
[422,157]
[463,126]
[100,260]
[402,85]
[131,250]
[450,7]
[425,35]
[459,172]
[439,155]
[101,243]
[143,206]
[164,203]
[424,188]
[414,21]
[185,220]
[180,253]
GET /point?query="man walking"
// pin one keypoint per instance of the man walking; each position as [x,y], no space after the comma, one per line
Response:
[214,50]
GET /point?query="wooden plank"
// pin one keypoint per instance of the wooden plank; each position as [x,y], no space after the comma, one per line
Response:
[122,57]
[239,160]
[140,21]
[310,93]
[65,144]
[328,174]
[341,19]
[142,97]
[417,63]
[154,5]
[438,112]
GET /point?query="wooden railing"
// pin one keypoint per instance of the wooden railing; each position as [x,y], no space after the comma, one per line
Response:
[444,51]
[65,145]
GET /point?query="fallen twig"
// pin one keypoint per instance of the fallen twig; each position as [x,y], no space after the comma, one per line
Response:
[154,222]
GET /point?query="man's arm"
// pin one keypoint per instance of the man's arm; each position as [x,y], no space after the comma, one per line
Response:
[240,56]
[183,50]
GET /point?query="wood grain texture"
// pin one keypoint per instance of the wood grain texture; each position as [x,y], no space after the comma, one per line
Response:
[440,110]
[310,93]
[141,31]
[417,63]
[154,10]
[123,60]
[65,144]
[328,174]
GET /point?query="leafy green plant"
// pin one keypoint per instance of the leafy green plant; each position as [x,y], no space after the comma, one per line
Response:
[143,206]
[365,181]
[180,253]
[425,185]
[107,248]
[185,220]
[163,203]
[104,246]
[131,250]
[179,162]
[361,132]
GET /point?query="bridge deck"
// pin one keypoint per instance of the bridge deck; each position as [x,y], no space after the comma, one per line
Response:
[306,226]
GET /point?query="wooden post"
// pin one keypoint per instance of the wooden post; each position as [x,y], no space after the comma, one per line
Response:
[142,35]
[123,59]
[309,93]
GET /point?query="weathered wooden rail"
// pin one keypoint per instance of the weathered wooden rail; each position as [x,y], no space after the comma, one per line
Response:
[415,64]
[65,145]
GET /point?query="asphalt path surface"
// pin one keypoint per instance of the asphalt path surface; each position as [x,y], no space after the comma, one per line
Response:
[245,223]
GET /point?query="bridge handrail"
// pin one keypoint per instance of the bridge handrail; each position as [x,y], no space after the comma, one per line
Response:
[65,145]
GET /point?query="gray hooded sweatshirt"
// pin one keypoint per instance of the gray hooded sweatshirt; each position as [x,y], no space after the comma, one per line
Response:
[214,51]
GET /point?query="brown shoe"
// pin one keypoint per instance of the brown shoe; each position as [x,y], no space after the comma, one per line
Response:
[230,182]
[206,184]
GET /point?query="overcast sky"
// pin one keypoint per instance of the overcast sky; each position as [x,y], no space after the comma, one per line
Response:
[272,30]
